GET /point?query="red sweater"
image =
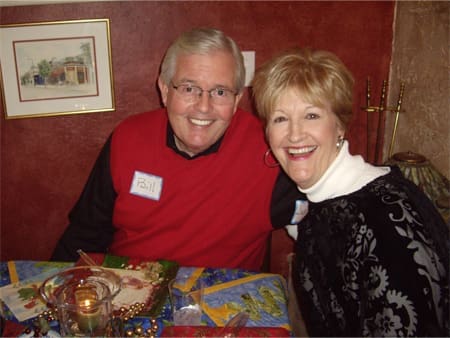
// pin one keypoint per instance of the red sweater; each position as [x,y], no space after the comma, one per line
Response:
[208,211]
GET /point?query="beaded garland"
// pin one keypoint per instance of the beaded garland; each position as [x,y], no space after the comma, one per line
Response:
[122,321]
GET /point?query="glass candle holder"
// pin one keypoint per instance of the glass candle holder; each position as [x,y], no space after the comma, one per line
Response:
[83,297]
[89,312]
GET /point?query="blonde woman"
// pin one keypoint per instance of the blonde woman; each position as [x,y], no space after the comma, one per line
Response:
[372,252]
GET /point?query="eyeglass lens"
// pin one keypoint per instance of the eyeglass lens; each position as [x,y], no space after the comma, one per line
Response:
[193,93]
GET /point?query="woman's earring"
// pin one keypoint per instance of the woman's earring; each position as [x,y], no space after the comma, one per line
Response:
[268,154]
[340,142]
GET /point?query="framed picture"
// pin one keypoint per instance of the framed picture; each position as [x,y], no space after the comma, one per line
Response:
[56,68]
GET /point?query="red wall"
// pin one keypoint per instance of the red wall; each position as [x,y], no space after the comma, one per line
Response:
[45,161]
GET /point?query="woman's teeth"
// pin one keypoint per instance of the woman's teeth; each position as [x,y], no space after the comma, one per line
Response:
[299,151]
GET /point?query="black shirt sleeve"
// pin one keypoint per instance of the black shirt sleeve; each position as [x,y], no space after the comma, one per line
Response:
[90,221]
[284,197]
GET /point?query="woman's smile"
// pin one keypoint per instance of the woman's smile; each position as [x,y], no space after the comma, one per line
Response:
[303,137]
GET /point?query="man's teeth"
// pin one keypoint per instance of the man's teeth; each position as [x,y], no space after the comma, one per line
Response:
[201,122]
[297,151]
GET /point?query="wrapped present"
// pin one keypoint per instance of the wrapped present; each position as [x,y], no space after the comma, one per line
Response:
[262,296]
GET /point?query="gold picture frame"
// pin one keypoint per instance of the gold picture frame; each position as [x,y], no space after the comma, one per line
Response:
[56,68]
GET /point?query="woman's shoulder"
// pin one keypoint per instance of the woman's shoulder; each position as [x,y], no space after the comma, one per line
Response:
[388,199]
[392,203]
[392,185]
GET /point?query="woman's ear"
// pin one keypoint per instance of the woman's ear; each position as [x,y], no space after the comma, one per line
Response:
[164,89]
[266,130]
[340,129]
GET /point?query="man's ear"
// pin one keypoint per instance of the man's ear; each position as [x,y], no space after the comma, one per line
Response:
[164,89]
[236,102]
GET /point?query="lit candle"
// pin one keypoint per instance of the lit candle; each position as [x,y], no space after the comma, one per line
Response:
[88,313]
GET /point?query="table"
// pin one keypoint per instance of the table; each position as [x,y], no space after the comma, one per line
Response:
[227,292]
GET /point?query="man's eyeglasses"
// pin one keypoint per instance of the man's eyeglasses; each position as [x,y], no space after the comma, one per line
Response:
[191,94]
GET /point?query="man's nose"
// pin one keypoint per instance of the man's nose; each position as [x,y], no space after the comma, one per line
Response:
[204,101]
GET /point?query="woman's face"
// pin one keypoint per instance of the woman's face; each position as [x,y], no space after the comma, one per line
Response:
[303,137]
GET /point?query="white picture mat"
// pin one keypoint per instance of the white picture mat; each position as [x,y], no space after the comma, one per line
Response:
[98,29]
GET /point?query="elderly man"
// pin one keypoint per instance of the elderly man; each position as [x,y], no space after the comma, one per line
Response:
[187,182]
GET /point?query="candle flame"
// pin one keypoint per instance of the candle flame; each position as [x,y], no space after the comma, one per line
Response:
[86,303]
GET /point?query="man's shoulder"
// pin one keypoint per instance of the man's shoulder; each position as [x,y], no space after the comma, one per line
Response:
[144,120]
[141,128]
[145,116]
[244,119]
[247,115]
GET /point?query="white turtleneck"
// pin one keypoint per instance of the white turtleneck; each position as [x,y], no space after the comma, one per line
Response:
[346,174]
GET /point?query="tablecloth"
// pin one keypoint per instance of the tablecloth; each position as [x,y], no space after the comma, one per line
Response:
[228,291]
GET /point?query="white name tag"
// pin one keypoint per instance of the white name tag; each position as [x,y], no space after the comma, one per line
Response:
[146,185]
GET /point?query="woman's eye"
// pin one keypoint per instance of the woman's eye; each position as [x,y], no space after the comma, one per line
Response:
[278,119]
[312,116]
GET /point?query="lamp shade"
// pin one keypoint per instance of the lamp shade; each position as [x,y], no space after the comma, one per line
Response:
[418,169]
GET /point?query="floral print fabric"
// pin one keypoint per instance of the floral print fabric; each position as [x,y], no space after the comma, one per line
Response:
[374,263]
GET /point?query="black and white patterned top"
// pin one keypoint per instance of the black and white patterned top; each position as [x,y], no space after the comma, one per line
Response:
[374,262]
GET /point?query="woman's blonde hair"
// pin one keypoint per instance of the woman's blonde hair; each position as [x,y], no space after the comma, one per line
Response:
[319,76]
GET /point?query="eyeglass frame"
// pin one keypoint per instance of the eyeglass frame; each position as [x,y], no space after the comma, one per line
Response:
[200,90]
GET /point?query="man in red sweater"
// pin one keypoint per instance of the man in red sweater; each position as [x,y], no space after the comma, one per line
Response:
[187,182]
